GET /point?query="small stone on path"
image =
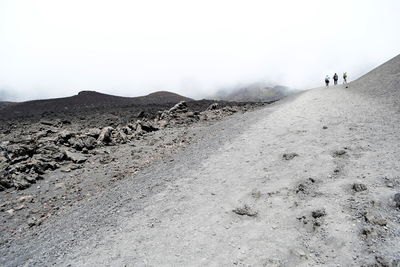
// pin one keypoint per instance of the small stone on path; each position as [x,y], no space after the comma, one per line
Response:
[358,187]
[245,210]
[289,156]
[318,213]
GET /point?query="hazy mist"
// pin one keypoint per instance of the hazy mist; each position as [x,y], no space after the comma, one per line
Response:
[57,48]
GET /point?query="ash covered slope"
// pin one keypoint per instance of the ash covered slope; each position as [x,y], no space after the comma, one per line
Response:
[382,82]
[85,100]
[311,181]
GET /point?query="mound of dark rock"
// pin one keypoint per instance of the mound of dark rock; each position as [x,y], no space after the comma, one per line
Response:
[51,144]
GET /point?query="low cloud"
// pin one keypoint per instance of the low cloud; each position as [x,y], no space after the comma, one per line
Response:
[54,49]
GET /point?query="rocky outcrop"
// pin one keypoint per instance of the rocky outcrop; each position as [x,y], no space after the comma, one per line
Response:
[50,145]
[105,135]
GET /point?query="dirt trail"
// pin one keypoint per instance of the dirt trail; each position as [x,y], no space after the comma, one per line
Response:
[291,171]
[273,187]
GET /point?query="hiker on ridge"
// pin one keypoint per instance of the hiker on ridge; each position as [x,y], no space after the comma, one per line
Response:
[327,81]
[345,78]
[335,78]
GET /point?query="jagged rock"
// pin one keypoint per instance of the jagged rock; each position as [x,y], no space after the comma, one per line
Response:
[146,126]
[30,178]
[42,134]
[213,106]
[19,159]
[5,183]
[65,135]
[180,107]
[75,157]
[105,135]
[76,143]
[231,110]
[20,183]
[17,150]
[82,142]
[39,164]
[49,150]
[378,220]
[89,142]
[132,126]
[139,129]
[162,123]
[126,130]
[120,137]
[93,132]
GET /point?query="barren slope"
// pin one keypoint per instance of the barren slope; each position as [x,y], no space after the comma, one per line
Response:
[84,101]
[191,221]
[309,181]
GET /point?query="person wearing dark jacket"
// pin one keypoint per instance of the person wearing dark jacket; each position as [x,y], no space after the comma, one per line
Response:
[335,78]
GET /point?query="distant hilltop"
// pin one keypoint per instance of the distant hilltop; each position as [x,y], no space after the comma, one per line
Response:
[87,100]
[84,100]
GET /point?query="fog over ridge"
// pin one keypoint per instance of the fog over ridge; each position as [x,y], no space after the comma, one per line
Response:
[130,48]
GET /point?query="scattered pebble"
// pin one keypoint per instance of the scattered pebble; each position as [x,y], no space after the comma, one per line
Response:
[289,156]
[358,187]
[339,153]
[245,210]
[318,213]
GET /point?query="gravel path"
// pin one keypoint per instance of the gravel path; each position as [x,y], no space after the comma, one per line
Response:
[302,211]
[308,181]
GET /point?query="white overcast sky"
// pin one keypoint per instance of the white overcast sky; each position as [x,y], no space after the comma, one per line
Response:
[57,48]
